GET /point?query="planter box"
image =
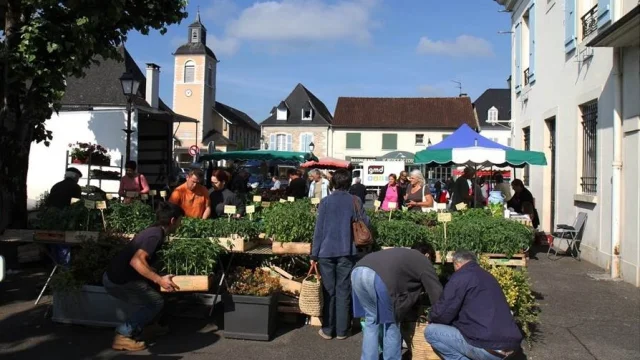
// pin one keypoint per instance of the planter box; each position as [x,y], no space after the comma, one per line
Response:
[77,237]
[191,283]
[292,248]
[91,305]
[264,240]
[49,236]
[237,244]
[250,317]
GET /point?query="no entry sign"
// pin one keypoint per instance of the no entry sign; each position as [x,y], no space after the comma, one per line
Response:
[193,150]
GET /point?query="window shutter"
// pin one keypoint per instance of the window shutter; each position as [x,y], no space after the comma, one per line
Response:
[389,141]
[272,142]
[518,50]
[289,140]
[353,140]
[605,10]
[532,43]
[569,26]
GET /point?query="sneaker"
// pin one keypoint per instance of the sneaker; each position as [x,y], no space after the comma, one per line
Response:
[342,337]
[323,335]
[123,343]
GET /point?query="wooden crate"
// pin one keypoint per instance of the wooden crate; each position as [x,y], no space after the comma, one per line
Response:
[237,244]
[291,248]
[76,237]
[502,259]
[264,240]
[191,283]
[49,236]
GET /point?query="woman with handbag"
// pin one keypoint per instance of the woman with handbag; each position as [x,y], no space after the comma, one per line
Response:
[418,197]
[334,251]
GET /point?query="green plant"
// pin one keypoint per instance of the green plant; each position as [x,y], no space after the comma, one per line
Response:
[128,218]
[290,221]
[192,228]
[400,233]
[72,218]
[189,256]
[85,151]
[256,282]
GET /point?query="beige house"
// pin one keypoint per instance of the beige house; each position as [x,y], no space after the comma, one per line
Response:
[298,121]
[194,95]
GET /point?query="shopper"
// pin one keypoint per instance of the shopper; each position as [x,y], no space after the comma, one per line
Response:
[418,196]
[220,195]
[297,186]
[129,275]
[391,193]
[319,186]
[334,251]
[192,196]
[358,190]
[132,181]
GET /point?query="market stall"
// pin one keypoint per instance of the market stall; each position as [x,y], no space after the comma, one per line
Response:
[327,163]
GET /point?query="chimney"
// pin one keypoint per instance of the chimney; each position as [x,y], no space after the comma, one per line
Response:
[464,95]
[152,91]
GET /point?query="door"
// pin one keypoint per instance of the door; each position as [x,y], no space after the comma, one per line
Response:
[551,124]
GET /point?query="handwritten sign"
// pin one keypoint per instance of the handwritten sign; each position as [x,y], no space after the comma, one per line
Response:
[163,193]
[393,205]
[444,217]
[144,196]
[461,206]
[377,203]
[257,198]
[229,209]
[153,192]
[315,201]
[291,199]
[90,204]
[101,205]
[265,204]
[131,194]
[283,200]
[250,209]
[109,196]
[74,200]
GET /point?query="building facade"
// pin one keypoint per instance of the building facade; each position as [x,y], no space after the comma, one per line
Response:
[493,112]
[298,121]
[578,102]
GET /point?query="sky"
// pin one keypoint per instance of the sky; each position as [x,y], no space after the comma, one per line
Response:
[362,48]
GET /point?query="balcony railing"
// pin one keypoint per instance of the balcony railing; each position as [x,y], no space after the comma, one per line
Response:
[526,77]
[590,22]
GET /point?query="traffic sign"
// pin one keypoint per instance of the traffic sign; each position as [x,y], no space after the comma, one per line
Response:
[193,150]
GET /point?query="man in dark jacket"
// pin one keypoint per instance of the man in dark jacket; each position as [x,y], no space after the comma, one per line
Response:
[359,190]
[472,319]
[386,290]
[61,193]
[297,186]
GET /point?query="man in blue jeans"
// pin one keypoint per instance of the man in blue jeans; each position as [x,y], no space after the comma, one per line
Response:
[472,319]
[127,278]
[387,286]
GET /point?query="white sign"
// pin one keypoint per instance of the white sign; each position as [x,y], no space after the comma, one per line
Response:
[153,192]
[101,205]
[291,199]
[90,204]
[315,201]
[392,205]
[444,217]
[376,203]
[193,150]
[257,198]
[229,209]
[251,209]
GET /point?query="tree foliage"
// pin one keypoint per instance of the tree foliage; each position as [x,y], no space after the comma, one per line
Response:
[43,42]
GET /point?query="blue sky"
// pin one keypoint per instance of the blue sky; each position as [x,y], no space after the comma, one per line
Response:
[381,48]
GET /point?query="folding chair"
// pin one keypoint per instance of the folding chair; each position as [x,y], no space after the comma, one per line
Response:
[572,234]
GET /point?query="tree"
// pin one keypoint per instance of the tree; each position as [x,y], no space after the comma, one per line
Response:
[43,42]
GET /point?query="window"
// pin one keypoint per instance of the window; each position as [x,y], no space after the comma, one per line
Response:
[189,71]
[305,140]
[526,135]
[194,35]
[389,141]
[419,139]
[589,179]
[569,26]
[307,114]
[492,114]
[353,140]
[280,142]
[589,19]
[281,113]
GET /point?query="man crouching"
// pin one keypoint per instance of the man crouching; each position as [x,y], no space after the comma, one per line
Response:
[127,278]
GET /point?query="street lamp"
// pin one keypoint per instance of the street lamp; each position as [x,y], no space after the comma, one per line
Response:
[311,146]
[429,142]
[130,89]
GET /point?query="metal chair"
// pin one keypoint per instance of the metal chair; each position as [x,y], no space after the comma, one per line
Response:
[572,234]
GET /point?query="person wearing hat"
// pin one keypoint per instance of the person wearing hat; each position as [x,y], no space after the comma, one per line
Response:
[61,193]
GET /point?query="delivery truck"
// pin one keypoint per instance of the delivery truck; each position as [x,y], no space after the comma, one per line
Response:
[375,174]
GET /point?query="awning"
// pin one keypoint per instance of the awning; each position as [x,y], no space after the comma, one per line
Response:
[405,156]
[480,156]
[623,33]
[260,155]
[327,163]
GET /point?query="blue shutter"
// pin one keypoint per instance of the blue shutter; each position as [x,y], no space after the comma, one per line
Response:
[532,43]
[272,142]
[518,62]
[605,10]
[289,141]
[569,26]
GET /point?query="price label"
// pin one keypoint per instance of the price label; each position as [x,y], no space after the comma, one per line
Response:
[315,201]
[251,209]
[229,209]
[393,205]
[265,204]
[461,206]
[144,196]
[257,198]
[444,217]
[131,194]
[283,200]
[291,199]
[163,193]
[153,192]
[74,200]
[377,203]
[109,196]
[101,205]
[90,204]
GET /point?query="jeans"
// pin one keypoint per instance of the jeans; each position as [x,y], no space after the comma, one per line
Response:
[363,280]
[336,290]
[140,293]
[449,343]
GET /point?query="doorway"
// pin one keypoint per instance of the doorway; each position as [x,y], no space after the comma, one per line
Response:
[551,128]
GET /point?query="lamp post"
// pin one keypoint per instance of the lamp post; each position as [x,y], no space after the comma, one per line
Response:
[130,90]
[429,142]
[262,143]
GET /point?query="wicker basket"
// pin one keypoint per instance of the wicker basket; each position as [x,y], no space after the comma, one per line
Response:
[311,294]
[413,333]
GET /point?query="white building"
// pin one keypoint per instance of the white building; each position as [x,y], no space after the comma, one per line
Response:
[493,111]
[580,103]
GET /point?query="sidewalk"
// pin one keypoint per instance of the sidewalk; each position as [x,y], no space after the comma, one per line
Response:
[582,318]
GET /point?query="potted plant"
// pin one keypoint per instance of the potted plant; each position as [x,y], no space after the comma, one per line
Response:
[251,309]
[88,153]
[191,260]
[291,226]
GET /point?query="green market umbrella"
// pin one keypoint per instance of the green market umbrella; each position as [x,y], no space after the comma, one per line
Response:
[265,155]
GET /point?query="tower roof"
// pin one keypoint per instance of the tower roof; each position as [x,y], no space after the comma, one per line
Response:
[197,23]
[196,43]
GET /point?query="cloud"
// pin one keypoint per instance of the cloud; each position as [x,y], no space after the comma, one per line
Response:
[224,46]
[220,11]
[463,45]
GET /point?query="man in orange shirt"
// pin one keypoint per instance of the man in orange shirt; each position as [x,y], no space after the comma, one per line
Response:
[192,196]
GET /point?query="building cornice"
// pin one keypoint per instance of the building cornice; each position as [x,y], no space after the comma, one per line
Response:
[508,4]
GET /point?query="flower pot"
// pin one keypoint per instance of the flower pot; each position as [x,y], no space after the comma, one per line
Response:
[91,305]
[101,162]
[250,317]
[78,161]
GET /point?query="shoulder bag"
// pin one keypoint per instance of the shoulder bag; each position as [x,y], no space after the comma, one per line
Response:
[361,233]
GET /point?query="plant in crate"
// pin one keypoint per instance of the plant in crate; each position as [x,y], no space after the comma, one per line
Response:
[192,261]
[291,226]
[85,153]
[252,306]
[128,218]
